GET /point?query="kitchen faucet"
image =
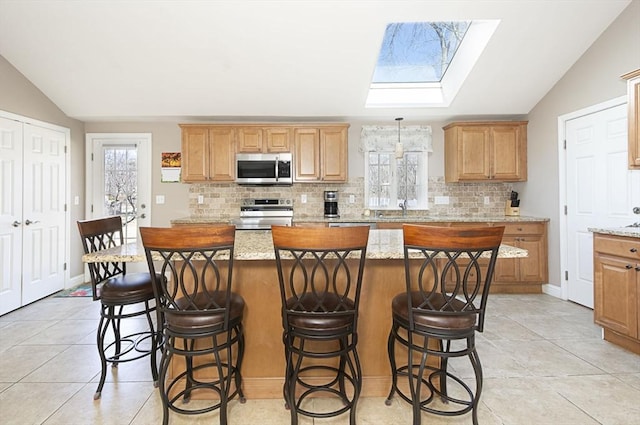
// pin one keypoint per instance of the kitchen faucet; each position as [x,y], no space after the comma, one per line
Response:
[403,207]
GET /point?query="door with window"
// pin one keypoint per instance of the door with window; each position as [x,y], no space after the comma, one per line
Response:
[119,180]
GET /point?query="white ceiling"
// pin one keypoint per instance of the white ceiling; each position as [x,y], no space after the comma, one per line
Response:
[277,60]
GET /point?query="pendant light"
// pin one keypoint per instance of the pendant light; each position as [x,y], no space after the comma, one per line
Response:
[399,147]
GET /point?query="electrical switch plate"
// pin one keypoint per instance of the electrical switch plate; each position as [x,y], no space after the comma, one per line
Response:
[76,200]
[159,199]
[352,199]
[487,201]
[200,199]
[441,200]
[303,198]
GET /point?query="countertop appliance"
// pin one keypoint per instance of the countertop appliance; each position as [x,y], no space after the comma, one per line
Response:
[264,168]
[260,214]
[331,204]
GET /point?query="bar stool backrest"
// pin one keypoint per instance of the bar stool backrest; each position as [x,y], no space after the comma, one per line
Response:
[320,270]
[97,235]
[449,270]
[197,265]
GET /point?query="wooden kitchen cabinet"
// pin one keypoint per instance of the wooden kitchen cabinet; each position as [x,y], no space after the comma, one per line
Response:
[208,153]
[616,282]
[523,275]
[257,139]
[482,151]
[633,120]
[320,153]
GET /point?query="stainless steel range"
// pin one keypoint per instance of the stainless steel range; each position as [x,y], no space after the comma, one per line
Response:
[258,214]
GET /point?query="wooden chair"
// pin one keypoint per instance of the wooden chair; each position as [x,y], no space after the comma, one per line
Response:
[320,271]
[201,316]
[448,273]
[122,296]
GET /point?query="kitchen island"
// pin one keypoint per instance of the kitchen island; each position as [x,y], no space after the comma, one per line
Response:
[255,278]
[512,275]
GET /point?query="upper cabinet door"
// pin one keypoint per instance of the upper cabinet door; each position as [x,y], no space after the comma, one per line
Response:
[195,154]
[333,154]
[481,151]
[222,157]
[278,139]
[307,154]
[508,151]
[250,139]
[208,153]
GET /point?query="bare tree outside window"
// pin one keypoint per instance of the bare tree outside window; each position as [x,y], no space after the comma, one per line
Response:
[418,52]
[120,180]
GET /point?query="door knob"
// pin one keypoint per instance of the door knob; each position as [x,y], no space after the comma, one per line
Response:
[143,215]
[28,222]
[16,223]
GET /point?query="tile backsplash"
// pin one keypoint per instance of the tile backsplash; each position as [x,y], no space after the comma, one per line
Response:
[223,200]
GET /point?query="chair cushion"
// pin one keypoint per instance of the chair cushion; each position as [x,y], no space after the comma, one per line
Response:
[316,320]
[194,321]
[432,318]
[127,289]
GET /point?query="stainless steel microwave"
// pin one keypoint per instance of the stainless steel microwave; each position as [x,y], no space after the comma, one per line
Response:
[264,168]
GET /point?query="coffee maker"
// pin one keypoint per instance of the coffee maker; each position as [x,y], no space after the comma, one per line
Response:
[331,204]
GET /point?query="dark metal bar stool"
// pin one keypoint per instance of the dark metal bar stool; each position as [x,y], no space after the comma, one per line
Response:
[448,273]
[320,273]
[201,316]
[122,296]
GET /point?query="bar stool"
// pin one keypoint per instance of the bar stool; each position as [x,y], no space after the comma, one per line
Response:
[448,273]
[122,295]
[201,316]
[320,272]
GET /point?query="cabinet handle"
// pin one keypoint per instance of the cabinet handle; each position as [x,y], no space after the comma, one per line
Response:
[638,268]
[634,250]
[628,266]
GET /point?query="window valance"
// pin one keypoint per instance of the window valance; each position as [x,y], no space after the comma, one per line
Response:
[378,138]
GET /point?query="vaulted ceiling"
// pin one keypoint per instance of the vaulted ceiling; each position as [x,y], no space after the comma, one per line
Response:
[270,60]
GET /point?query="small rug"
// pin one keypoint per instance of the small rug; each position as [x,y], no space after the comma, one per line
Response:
[83,290]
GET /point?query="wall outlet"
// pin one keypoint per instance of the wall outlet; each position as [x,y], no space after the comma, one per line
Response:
[200,199]
[303,198]
[352,199]
[441,200]
[487,201]
[159,199]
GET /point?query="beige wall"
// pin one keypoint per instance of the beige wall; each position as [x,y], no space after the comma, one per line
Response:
[19,96]
[593,79]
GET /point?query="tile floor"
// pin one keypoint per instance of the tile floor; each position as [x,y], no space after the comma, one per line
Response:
[543,358]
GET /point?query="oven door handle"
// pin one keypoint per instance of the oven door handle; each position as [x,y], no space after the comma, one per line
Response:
[277,167]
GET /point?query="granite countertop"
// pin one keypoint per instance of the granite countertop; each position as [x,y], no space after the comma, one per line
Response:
[631,232]
[369,219]
[258,245]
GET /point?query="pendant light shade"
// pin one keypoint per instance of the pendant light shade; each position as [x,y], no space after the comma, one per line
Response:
[399,148]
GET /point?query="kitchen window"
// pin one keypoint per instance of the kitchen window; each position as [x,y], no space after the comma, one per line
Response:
[392,178]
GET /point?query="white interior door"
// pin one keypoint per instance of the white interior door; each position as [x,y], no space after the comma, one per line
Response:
[119,166]
[600,190]
[33,220]
[44,225]
[10,215]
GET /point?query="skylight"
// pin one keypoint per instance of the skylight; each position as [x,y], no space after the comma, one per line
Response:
[424,64]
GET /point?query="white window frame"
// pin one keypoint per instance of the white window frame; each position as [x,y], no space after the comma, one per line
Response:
[384,140]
